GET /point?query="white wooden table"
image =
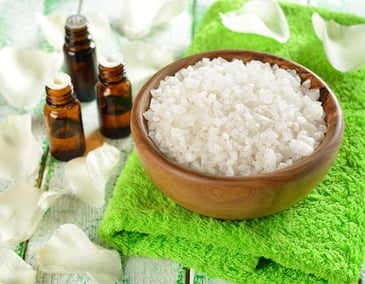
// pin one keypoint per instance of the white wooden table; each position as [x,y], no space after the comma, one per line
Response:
[18,15]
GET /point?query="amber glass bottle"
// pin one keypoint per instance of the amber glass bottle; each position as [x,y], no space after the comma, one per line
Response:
[114,97]
[80,57]
[62,113]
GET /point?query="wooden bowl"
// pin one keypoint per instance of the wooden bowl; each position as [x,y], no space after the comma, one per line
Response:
[240,197]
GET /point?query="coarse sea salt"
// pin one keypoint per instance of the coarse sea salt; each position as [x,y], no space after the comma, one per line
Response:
[232,118]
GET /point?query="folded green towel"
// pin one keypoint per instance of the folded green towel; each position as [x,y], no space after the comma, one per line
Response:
[320,239]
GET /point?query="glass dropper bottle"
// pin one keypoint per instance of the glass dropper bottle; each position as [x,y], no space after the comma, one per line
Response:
[114,97]
[80,57]
[64,125]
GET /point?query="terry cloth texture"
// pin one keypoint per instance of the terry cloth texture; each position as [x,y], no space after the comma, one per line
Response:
[319,240]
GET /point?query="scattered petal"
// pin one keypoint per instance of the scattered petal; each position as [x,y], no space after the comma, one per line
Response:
[88,175]
[101,162]
[344,45]
[263,17]
[20,153]
[22,206]
[101,32]
[53,29]
[69,250]
[23,73]
[142,61]
[136,22]
[13,269]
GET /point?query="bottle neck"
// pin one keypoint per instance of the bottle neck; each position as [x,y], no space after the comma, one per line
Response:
[59,90]
[60,97]
[111,75]
[76,32]
[75,38]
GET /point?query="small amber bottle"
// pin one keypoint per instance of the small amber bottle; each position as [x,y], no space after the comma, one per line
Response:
[114,97]
[62,113]
[80,57]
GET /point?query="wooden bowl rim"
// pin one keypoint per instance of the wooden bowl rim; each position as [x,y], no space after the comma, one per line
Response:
[138,121]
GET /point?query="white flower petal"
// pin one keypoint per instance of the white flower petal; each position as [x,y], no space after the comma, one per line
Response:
[23,73]
[81,183]
[344,45]
[101,162]
[13,269]
[88,175]
[53,29]
[136,22]
[20,153]
[143,60]
[263,17]
[69,250]
[21,208]
[101,32]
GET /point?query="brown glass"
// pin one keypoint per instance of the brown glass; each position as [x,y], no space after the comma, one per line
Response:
[114,100]
[64,124]
[80,57]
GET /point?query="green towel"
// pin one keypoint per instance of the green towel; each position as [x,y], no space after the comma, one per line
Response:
[319,240]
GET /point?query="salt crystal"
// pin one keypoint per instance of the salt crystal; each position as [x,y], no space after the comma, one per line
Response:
[269,160]
[313,112]
[178,109]
[299,149]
